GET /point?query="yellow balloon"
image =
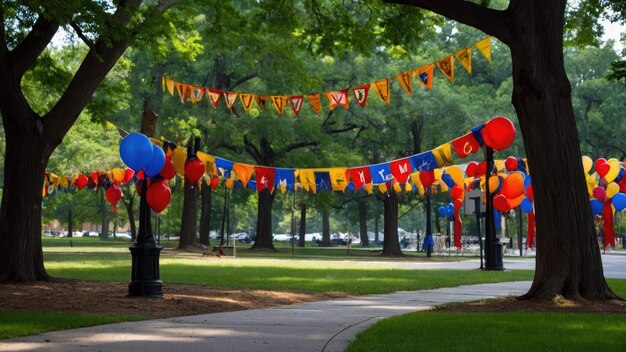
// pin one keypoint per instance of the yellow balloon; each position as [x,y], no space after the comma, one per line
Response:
[456,173]
[612,189]
[368,188]
[179,156]
[396,187]
[499,164]
[407,187]
[613,171]
[438,173]
[587,163]
[494,183]
[382,188]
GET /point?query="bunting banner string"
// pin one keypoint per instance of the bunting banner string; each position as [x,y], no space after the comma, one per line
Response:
[423,74]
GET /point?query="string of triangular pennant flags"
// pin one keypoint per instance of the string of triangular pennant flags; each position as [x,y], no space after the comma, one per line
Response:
[424,75]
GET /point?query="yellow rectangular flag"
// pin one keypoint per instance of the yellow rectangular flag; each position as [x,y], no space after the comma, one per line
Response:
[443,155]
[446,66]
[307,179]
[382,88]
[406,81]
[465,57]
[484,46]
[244,172]
[338,178]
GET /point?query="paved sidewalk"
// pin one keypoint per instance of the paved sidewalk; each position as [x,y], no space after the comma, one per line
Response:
[315,326]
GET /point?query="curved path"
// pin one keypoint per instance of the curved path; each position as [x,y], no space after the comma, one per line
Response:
[315,326]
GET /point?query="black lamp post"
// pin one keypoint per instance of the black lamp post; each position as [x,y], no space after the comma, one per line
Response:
[493,247]
[145,277]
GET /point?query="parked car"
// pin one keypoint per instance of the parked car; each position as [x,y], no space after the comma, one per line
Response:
[282,237]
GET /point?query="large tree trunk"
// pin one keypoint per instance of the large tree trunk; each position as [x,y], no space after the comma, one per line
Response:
[302,232]
[325,230]
[568,256]
[264,222]
[104,217]
[206,195]
[365,241]
[188,237]
[391,247]
[26,157]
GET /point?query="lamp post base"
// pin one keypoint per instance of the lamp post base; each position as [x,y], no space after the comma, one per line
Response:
[145,277]
[494,260]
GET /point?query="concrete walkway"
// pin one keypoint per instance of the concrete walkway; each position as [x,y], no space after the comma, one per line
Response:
[315,326]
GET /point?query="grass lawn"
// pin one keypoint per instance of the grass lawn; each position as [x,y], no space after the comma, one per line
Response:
[446,331]
[14,324]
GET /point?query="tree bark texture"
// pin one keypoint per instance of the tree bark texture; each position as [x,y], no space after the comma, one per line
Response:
[302,231]
[325,229]
[568,256]
[365,241]
[206,195]
[264,222]
[189,218]
[391,246]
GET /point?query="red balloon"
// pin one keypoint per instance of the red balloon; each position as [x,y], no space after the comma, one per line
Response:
[427,178]
[456,192]
[158,196]
[602,167]
[168,172]
[214,182]
[128,175]
[81,181]
[458,204]
[113,195]
[472,168]
[194,169]
[511,163]
[501,203]
[498,133]
[481,169]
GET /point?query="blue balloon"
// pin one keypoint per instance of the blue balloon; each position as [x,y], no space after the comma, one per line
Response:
[136,151]
[527,181]
[442,211]
[156,163]
[619,201]
[596,207]
[350,187]
[450,210]
[497,219]
[447,179]
[526,206]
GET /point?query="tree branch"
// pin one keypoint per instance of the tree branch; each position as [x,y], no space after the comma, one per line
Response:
[28,50]
[81,35]
[243,80]
[3,41]
[165,5]
[294,146]
[348,127]
[490,21]
[252,150]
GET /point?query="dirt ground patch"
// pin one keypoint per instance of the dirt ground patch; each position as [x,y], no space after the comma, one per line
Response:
[513,305]
[105,298]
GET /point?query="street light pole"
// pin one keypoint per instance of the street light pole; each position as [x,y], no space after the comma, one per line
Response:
[145,277]
[493,247]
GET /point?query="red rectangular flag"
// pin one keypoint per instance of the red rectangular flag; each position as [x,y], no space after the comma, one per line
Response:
[360,176]
[465,145]
[401,169]
[265,178]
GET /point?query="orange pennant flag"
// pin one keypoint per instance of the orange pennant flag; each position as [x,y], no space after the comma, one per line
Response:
[314,100]
[170,86]
[230,98]
[181,88]
[465,58]
[406,81]
[279,103]
[446,66]
[382,88]
[214,96]
[246,101]
[484,46]
[244,172]
[261,100]
[425,75]
[296,103]
[360,94]
[338,97]
[196,94]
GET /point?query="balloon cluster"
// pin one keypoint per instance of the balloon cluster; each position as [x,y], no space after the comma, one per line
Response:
[453,178]
[607,188]
[511,190]
[139,153]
